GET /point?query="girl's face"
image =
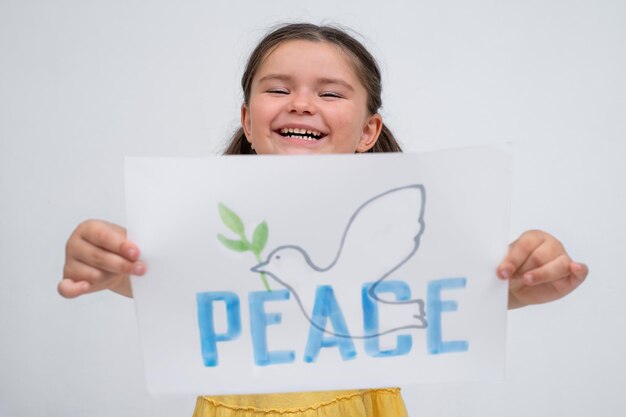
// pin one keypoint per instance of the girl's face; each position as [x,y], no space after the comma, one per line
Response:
[307,98]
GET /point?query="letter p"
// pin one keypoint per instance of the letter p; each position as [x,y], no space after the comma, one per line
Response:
[208,337]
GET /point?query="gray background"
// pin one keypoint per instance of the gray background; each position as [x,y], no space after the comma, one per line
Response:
[84,83]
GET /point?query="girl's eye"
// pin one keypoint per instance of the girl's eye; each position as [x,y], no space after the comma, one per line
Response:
[278,91]
[331,94]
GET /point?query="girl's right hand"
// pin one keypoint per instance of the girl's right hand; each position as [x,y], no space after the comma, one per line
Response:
[97,257]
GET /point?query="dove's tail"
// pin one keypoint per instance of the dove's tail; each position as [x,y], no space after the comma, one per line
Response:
[416,313]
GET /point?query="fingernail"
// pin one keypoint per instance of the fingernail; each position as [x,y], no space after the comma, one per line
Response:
[529,278]
[84,286]
[139,269]
[132,253]
[505,274]
[577,267]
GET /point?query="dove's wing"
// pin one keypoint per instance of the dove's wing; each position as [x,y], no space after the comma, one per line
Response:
[383,232]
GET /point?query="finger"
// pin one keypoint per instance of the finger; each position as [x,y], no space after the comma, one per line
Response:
[579,271]
[543,255]
[72,289]
[551,271]
[562,287]
[96,257]
[111,238]
[78,271]
[98,279]
[519,252]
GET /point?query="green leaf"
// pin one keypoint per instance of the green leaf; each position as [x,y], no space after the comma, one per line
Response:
[231,220]
[236,245]
[259,238]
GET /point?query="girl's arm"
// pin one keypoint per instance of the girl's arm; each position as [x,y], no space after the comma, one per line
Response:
[539,270]
[97,257]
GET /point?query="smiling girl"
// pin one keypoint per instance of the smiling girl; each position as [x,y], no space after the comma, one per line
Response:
[311,89]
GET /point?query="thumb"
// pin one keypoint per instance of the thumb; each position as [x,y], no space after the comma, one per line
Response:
[72,289]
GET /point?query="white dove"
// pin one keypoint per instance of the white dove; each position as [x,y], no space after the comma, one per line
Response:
[381,235]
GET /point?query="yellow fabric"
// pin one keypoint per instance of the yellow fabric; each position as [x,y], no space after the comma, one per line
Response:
[384,402]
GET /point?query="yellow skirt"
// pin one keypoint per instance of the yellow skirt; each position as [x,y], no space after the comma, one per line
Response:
[385,402]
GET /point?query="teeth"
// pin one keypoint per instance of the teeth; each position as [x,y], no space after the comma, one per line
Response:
[298,131]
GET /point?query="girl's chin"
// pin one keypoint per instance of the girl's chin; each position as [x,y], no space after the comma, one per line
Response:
[295,150]
[300,147]
[290,146]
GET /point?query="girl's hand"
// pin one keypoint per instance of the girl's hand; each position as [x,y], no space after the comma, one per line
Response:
[98,256]
[539,270]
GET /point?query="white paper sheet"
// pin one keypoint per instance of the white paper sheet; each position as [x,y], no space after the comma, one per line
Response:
[380,269]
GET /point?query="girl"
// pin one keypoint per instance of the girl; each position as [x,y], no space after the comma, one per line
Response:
[311,89]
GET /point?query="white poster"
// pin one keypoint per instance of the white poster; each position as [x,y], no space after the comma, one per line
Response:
[299,273]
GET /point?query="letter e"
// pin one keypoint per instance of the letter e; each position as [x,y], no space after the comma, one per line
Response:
[435,306]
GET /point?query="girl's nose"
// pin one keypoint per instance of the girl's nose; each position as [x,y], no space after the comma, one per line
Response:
[301,103]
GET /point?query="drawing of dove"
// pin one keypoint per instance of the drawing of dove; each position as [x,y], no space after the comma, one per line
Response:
[380,236]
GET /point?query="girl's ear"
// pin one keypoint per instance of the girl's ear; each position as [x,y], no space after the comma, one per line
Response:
[245,121]
[371,132]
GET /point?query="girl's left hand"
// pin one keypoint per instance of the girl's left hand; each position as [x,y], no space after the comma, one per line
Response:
[539,270]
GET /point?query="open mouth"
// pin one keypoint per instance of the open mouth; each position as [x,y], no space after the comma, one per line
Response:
[296,133]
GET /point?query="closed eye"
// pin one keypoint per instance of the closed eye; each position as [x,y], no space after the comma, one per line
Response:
[278,91]
[330,94]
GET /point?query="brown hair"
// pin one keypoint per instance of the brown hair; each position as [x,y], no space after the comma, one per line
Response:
[367,71]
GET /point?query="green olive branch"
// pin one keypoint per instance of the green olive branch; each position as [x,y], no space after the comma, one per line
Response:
[259,237]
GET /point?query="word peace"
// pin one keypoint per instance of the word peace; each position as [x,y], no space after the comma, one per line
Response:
[325,310]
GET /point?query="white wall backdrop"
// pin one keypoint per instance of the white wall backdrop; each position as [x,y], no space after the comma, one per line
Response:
[84,83]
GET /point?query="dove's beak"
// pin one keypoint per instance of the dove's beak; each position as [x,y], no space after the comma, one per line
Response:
[259,267]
